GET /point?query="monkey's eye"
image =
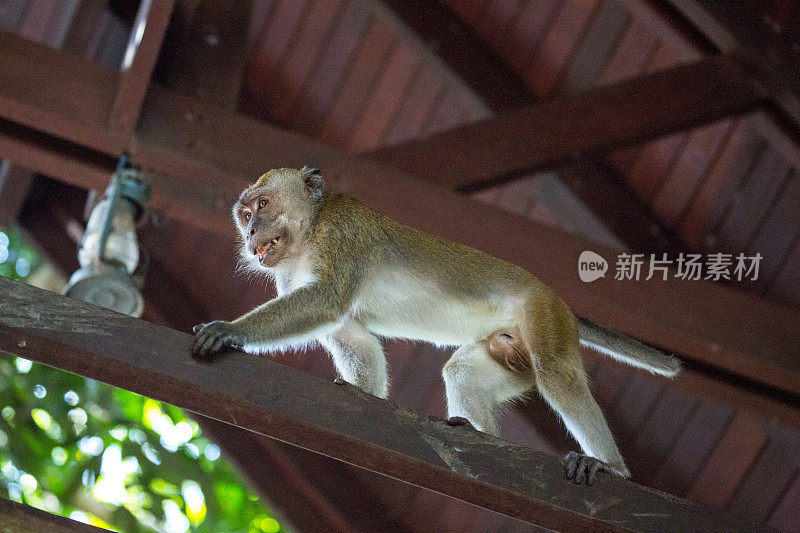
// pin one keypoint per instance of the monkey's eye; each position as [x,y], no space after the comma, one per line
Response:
[247,216]
[262,203]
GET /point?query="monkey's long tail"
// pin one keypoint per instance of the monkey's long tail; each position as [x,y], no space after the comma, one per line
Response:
[626,350]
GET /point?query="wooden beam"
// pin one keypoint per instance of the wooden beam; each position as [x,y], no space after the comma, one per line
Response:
[57,93]
[18,517]
[137,66]
[570,127]
[47,154]
[201,158]
[600,189]
[223,152]
[280,402]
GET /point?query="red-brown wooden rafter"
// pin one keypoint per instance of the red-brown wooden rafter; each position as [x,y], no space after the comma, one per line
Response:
[573,126]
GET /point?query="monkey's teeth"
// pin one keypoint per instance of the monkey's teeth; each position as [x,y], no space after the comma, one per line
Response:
[262,250]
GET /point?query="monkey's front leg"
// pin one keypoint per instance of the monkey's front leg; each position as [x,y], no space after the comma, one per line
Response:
[290,320]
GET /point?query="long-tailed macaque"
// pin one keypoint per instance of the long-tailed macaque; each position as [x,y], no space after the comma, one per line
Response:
[347,276]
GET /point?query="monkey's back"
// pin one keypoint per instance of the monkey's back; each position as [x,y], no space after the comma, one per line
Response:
[457,268]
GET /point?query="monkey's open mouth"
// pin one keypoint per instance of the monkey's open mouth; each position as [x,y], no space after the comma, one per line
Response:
[266,248]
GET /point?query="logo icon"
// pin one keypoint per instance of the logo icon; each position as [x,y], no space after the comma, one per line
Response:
[591,266]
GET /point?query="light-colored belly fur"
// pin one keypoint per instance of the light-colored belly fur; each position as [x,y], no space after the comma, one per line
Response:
[422,311]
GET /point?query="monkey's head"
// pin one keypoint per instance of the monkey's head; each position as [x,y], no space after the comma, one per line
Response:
[273,214]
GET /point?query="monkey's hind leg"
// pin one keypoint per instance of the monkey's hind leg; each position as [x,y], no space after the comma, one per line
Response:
[551,334]
[359,358]
[477,385]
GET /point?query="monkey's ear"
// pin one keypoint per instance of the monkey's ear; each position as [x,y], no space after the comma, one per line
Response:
[315,185]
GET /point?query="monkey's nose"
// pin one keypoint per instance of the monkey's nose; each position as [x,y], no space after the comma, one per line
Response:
[252,231]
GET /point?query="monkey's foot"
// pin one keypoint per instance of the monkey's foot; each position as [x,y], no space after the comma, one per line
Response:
[459,421]
[580,467]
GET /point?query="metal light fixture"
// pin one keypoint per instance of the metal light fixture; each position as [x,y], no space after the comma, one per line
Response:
[109,251]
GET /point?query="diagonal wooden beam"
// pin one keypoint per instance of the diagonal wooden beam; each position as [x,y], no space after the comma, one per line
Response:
[570,127]
[19,517]
[137,66]
[733,26]
[14,184]
[178,137]
[289,405]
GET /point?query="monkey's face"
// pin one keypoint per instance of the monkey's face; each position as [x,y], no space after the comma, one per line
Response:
[273,214]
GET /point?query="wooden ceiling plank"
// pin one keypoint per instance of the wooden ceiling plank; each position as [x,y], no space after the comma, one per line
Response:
[787,514]
[731,459]
[358,84]
[659,431]
[382,106]
[690,450]
[273,42]
[558,45]
[311,40]
[751,202]
[761,490]
[433,27]
[733,26]
[327,77]
[688,173]
[632,55]
[710,204]
[327,418]
[526,32]
[207,52]
[774,241]
[597,46]
[418,106]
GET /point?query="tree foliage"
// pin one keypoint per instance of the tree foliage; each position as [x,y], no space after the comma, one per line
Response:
[83,449]
[89,451]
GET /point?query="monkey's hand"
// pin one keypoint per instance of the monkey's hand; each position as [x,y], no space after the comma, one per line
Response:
[580,467]
[213,337]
